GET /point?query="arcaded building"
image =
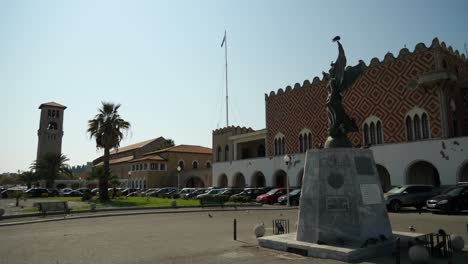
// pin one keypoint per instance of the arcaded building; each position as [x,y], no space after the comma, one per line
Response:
[412,111]
[153,164]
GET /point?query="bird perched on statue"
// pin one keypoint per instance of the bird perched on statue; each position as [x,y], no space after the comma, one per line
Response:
[412,229]
[335,39]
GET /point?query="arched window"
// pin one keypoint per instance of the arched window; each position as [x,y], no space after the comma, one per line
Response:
[372,134]
[226,153]
[425,126]
[276,147]
[181,164]
[282,146]
[218,154]
[379,133]
[301,144]
[409,129]
[366,134]
[417,128]
[372,131]
[208,164]
[195,164]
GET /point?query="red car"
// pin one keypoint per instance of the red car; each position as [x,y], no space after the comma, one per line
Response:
[272,196]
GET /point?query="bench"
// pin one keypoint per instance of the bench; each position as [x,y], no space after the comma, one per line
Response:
[52,206]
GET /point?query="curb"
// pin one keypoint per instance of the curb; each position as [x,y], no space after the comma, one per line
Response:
[256,208]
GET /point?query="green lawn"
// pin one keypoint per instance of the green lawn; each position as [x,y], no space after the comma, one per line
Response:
[146,202]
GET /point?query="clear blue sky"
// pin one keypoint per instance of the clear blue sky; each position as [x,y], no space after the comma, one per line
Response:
[163,62]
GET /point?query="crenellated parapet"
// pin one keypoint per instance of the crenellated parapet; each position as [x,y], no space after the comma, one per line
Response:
[375,62]
[237,129]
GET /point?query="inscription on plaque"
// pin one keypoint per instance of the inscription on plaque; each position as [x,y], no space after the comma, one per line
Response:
[370,193]
[363,165]
[337,203]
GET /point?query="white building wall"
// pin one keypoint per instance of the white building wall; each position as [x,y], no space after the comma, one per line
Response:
[396,158]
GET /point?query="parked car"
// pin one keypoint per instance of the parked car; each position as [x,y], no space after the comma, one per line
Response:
[95,191]
[272,196]
[37,192]
[141,192]
[230,191]
[127,191]
[73,193]
[409,196]
[196,193]
[210,192]
[252,193]
[452,201]
[186,191]
[64,191]
[84,190]
[294,197]
[53,192]
[10,193]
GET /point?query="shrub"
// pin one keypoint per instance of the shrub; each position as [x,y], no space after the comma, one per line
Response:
[175,196]
[214,199]
[86,196]
[239,199]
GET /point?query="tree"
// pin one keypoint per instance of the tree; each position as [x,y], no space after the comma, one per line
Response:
[51,166]
[107,129]
[28,178]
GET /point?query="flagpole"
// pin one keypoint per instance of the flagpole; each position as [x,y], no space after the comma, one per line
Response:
[225,56]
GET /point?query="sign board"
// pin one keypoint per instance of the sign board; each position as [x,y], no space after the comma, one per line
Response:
[337,203]
[370,193]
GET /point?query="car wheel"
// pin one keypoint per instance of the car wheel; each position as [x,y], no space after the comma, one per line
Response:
[395,206]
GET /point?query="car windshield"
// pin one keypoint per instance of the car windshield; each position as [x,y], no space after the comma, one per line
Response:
[396,189]
[453,191]
[294,192]
[273,191]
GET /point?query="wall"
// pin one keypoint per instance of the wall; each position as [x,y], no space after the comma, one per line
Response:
[220,138]
[396,158]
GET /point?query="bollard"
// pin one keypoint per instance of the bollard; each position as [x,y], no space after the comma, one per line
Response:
[397,252]
[235,229]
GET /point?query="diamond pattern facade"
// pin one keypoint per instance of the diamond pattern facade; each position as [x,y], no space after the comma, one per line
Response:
[382,91]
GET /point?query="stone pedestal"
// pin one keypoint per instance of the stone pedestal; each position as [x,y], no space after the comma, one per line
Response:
[342,200]
[342,210]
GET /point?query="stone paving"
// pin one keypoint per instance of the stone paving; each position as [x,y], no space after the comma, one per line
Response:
[179,238]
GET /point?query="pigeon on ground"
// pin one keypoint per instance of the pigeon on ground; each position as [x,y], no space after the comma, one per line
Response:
[412,229]
[209,215]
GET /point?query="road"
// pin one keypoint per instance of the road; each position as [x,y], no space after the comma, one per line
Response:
[176,238]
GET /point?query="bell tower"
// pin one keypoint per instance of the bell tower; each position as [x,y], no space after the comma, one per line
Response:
[50,130]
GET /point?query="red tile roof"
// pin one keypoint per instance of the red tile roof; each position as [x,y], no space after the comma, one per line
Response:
[52,104]
[133,146]
[116,161]
[184,149]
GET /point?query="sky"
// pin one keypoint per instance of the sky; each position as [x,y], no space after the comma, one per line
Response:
[162,60]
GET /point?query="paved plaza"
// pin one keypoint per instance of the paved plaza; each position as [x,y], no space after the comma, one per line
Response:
[178,238]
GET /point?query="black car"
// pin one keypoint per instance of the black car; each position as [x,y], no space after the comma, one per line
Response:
[294,197]
[10,193]
[252,193]
[230,191]
[53,192]
[128,191]
[414,195]
[38,192]
[196,193]
[452,201]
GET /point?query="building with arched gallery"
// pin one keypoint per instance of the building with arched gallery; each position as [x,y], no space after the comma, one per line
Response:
[412,111]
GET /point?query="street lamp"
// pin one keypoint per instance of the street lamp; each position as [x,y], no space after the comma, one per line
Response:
[287,160]
[178,178]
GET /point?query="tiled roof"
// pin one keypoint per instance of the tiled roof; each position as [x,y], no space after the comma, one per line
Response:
[116,161]
[149,157]
[185,149]
[52,104]
[133,146]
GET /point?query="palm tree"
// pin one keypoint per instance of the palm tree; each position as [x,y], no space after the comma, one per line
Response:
[107,127]
[28,177]
[50,166]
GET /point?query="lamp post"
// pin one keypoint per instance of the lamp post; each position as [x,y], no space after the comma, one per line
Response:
[287,160]
[178,178]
